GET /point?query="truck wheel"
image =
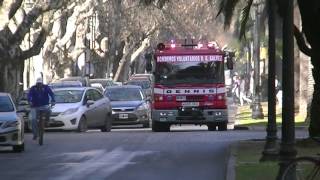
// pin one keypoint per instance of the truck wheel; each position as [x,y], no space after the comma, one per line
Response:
[223,126]
[160,127]
[212,127]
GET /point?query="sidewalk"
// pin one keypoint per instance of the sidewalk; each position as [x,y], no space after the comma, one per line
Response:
[244,159]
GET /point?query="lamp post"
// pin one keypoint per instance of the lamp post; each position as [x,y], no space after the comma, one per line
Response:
[257,112]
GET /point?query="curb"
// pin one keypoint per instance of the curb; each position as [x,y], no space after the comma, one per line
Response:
[230,167]
[263,128]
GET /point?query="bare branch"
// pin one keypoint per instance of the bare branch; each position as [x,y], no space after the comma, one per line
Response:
[301,41]
[35,49]
[73,21]
[14,7]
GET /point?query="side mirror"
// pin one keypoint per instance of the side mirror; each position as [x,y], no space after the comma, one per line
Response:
[230,56]
[230,63]
[89,103]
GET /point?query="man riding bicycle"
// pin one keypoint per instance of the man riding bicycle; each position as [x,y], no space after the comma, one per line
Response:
[38,98]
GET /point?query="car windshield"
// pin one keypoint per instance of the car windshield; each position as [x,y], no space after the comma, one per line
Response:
[68,96]
[6,104]
[124,94]
[189,72]
[142,84]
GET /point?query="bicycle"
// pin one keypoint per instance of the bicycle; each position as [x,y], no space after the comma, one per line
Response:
[305,168]
[43,116]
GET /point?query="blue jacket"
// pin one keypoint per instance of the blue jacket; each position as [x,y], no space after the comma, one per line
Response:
[40,97]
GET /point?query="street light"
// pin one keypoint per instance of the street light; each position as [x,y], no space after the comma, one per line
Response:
[257,112]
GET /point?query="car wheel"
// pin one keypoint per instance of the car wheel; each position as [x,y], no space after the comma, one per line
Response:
[82,126]
[18,148]
[160,127]
[223,126]
[212,127]
[108,124]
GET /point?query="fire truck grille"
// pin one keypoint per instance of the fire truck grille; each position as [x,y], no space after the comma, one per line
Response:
[195,98]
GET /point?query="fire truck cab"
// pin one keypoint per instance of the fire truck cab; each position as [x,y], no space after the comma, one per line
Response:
[190,85]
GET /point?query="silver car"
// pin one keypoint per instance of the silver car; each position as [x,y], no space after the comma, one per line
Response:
[80,108]
[129,105]
[11,125]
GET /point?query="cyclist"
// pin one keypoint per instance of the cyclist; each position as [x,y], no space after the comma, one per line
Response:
[39,97]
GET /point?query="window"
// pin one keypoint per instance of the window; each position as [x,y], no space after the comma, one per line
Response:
[96,95]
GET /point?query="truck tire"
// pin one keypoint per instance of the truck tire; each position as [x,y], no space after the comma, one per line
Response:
[212,127]
[223,126]
[160,127]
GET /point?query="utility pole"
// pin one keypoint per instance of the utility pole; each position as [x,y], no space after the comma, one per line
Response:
[257,112]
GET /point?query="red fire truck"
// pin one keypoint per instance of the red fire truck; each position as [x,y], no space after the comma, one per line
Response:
[190,85]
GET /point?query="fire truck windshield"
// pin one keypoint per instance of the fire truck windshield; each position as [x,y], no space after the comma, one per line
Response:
[170,73]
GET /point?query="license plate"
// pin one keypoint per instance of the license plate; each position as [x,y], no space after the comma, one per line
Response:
[123,116]
[190,104]
[181,98]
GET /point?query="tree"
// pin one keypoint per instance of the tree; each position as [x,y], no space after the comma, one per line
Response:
[15,24]
[310,15]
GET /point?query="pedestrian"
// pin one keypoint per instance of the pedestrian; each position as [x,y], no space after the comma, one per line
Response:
[278,91]
[243,96]
[39,97]
[236,88]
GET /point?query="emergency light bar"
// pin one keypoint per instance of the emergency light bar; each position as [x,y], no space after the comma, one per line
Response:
[162,46]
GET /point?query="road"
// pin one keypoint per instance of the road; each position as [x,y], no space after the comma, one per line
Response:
[187,153]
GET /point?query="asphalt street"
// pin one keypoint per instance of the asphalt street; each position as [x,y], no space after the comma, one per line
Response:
[186,153]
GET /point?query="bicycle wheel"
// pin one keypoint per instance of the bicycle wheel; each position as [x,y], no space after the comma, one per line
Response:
[41,127]
[302,168]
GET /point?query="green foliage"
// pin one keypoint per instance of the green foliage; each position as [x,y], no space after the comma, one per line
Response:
[227,7]
[245,13]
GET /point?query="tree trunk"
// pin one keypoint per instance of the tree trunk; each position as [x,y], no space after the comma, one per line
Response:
[314,127]
[10,78]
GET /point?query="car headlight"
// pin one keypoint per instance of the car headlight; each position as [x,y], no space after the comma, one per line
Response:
[9,124]
[70,111]
[142,107]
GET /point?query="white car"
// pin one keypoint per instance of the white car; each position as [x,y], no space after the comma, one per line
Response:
[11,125]
[80,108]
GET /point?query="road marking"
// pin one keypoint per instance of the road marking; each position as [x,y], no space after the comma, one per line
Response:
[96,164]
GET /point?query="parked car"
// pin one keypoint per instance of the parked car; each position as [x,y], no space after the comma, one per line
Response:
[104,82]
[129,105]
[148,76]
[23,108]
[144,83]
[11,124]
[83,79]
[101,84]
[62,84]
[80,108]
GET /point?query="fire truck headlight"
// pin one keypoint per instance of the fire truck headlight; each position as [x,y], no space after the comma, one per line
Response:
[220,97]
[218,113]
[163,114]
